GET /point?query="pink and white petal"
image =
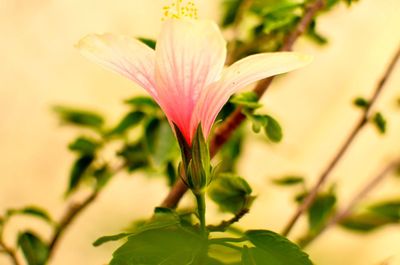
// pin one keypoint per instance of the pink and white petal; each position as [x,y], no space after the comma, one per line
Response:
[241,74]
[190,55]
[124,55]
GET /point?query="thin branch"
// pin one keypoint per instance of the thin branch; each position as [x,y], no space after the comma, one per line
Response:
[227,223]
[72,213]
[11,253]
[339,155]
[223,132]
[344,213]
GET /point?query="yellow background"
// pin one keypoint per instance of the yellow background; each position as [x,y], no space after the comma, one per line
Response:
[39,67]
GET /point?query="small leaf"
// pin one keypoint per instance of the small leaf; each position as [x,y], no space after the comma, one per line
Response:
[130,120]
[231,8]
[365,222]
[314,35]
[149,42]
[84,146]
[231,193]
[105,239]
[288,181]
[171,174]
[388,209]
[79,117]
[259,121]
[361,102]
[32,211]
[247,100]
[78,171]
[34,249]
[142,102]
[321,209]
[380,122]
[134,155]
[273,130]
[102,174]
[272,249]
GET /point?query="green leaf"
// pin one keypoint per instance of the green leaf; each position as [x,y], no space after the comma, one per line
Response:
[273,130]
[106,239]
[230,8]
[142,102]
[84,145]
[231,193]
[32,211]
[135,155]
[259,121]
[361,102]
[169,246]
[149,42]
[365,222]
[160,142]
[34,249]
[231,150]
[78,171]
[380,122]
[79,117]
[314,35]
[130,120]
[247,100]
[288,181]
[388,209]
[102,174]
[322,208]
[272,249]
[171,174]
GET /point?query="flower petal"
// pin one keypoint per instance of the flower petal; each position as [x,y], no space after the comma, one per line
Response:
[124,55]
[239,75]
[190,55]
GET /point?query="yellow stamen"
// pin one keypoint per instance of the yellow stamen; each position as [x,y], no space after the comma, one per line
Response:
[179,10]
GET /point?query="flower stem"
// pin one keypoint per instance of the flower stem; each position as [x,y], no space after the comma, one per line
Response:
[201,209]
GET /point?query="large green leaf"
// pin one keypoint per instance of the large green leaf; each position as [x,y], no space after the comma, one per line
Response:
[231,193]
[168,246]
[272,249]
[34,249]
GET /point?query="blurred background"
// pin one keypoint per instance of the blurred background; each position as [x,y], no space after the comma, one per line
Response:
[40,68]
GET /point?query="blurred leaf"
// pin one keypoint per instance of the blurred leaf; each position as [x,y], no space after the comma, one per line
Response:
[171,174]
[272,249]
[34,249]
[259,121]
[380,122]
[361,102]
[135,155]
[365,222]
[231,8]
[149,42]
[226,110]
[247,100]
[320,210]
[231,193]
[314,35]
[102,174]
[84,145]
[160,141]
[288,181]
[142,102]
[388,209]
[171,245]
[79,117]
[273,130]
[78,171]
[231,150]
[32,211]
[130,120]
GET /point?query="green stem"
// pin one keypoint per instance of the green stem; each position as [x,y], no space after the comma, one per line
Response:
[201,209]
